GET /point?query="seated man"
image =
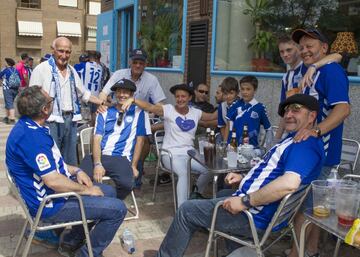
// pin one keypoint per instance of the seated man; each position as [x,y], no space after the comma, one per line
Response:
[281,173]
[118,140]
[38,169]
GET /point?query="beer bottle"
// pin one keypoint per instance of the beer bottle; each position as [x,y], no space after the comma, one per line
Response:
[233,142]
[245,135]
[208,130]
[212,141]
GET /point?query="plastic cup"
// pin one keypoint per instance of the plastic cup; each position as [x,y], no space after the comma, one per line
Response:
[346,202]
[321,198]
[202,141]
[232,158]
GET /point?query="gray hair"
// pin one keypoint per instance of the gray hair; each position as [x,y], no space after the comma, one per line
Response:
[58,39]
[30,102]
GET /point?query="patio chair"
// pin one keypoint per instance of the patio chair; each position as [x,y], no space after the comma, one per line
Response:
[159,137]
[349,155]
[286,212]
[86,144]
[35,223]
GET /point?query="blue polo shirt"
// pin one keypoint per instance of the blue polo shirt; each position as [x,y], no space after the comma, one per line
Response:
[330,87]
[252,114]
[304,158]
[31,154]
[120,140]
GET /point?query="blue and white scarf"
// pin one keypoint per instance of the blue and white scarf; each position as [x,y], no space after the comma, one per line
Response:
[55,92]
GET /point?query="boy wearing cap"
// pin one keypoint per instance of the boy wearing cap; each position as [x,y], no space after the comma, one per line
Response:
[260,191]
[11,83]
[118,140]
[331,88]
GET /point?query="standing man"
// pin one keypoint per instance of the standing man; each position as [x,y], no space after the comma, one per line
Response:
[38,169]
[331,88]
[105,76]
[60,81]
[21,68]
[29,66]
[147,89]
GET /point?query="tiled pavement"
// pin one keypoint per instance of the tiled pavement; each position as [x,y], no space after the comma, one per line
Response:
[149,229]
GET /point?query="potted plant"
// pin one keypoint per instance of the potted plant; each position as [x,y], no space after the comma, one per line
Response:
[261,43]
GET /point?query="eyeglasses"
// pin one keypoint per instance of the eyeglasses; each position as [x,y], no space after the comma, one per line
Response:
[203,92]
[293,108]
[62,51]
[51,100]
[120,118]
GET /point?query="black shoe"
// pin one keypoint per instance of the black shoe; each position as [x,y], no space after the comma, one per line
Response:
[196,195]
[5,120]
[69,250]
[11,122]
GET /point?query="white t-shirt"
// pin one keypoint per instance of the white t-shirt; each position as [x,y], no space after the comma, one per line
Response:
[41,76]
[180,129]
[147,86]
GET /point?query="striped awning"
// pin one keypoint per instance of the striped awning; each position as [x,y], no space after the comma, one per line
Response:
[30,28]
[68,29]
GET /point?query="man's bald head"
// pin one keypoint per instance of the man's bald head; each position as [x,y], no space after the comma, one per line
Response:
[61,51]
[60,40]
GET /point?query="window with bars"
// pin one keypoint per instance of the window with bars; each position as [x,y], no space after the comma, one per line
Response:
[91,33]
[36,4]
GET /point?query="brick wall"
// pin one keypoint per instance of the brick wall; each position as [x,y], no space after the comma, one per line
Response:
[193,14]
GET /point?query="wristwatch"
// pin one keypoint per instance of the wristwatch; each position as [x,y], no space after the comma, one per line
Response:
[246,201]
[318,131]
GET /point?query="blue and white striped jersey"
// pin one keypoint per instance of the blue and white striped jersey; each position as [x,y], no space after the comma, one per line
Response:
[30,154]
[291,79]
[90,74]
[120,140]
[304,158]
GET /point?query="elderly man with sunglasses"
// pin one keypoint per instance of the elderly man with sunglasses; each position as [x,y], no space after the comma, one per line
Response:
[118,141]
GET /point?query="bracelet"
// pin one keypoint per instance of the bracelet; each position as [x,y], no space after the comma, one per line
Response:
[313,65]
[97,164]
[78,170]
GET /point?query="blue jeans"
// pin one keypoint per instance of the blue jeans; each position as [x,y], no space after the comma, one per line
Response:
[9,98]
[65,137]
[108,213]
[195,214]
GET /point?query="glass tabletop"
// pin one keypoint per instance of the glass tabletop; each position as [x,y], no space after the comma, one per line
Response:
[329,224]
[219,165]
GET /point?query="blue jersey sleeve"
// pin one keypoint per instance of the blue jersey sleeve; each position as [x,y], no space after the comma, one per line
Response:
[336,84]
[39,158]
[305,158]
[264,119]
[100,125]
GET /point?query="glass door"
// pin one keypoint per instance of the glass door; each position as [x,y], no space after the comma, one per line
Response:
[125,36]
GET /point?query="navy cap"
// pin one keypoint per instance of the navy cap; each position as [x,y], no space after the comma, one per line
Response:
[186,87]
[308,101]
[313,33]
[138,54]
[125,84]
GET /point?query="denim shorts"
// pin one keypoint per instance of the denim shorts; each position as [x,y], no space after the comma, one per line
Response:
[9,97]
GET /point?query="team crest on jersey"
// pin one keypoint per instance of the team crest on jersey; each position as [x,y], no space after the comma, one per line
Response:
[42,162]
[129,119]
[254,115]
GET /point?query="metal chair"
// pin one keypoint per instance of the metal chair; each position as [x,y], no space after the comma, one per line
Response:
[159,137]
[35,223]
[86,144]
[286,212]
[349,155]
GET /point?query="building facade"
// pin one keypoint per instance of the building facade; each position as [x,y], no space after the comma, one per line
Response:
[31,25]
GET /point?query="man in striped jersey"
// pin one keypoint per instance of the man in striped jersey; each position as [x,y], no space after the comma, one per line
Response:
[280,173]
[118,141]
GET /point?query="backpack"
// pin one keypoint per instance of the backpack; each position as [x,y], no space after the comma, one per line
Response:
[14,80]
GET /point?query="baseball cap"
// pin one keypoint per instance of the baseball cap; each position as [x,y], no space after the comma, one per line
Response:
[138,54]
[308,101]
[125,84]
[187,87]
[313,33]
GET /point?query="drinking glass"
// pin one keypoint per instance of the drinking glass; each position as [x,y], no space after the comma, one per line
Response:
[321,198]
[346,202]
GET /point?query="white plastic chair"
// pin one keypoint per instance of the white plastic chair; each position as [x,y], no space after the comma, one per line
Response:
[159,137]
[35,223]
[86,144]
[286,212]
[349,155]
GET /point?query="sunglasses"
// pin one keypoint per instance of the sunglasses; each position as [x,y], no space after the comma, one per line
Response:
[293,108]
[120,118]
[203,92]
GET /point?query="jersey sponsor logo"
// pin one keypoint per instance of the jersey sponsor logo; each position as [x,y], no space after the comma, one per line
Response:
[42,162]
[129,119]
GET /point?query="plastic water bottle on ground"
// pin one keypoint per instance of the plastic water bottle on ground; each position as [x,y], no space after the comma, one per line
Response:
[332,179]
[128,241]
